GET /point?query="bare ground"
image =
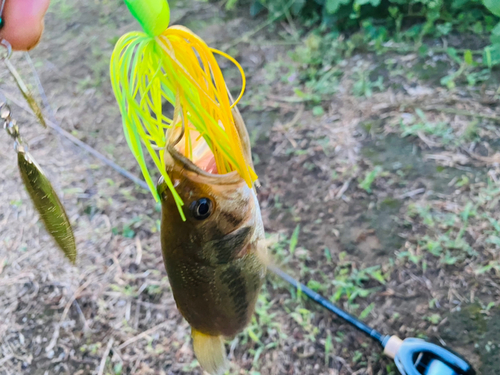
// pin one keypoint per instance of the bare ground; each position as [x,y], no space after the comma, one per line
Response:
[113,313]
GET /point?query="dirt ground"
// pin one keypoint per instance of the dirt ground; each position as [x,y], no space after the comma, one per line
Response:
[400,230]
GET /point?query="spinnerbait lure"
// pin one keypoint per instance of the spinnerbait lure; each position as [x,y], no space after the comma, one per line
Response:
[40,190]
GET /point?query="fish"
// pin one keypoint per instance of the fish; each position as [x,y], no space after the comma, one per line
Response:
[216,260]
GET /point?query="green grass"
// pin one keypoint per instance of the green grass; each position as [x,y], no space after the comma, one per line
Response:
[316,65]
[369,179]
[445,236]
[264,331]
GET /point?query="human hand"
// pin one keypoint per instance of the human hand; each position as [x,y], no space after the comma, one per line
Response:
[23,21]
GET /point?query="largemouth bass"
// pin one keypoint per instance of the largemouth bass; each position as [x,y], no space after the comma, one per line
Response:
[216,259]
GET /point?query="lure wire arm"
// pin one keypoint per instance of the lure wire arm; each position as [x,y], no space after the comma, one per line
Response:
[10,125]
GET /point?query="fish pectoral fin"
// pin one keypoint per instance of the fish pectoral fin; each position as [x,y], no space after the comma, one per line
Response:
[210,352]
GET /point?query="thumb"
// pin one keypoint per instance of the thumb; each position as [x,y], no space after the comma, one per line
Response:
[23,22]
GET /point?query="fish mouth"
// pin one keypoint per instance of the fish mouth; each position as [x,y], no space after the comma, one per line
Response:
[201,161]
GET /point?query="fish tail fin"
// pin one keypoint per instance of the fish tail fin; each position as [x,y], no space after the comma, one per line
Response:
[210,352]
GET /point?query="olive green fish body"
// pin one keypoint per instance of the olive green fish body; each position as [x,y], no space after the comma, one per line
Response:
[47,204]
[216,265]
[216,259]
[216,276]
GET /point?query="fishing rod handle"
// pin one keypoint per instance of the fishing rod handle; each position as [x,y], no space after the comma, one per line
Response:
[392,345]
[418,357]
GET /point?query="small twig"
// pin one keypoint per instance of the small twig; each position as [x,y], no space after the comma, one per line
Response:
[247,35]
[86,326]
[411,193]
[406,49]
[343,189]
[143,334]
[105,356]
[6,358]
[295,118]
[429,142]
[20,278]
[461,112]
[271,43]
[57,329]
[286,99]
[344,363]
[150,305]
[138,247]
[295,33]
[74,297]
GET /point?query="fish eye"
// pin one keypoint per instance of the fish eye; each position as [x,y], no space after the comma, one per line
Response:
[202,208]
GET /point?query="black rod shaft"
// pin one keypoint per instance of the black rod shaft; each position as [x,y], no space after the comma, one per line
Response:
[373,333]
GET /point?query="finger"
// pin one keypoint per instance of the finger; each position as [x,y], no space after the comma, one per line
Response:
[23,22]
